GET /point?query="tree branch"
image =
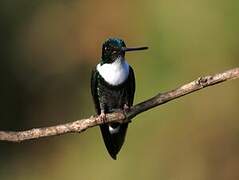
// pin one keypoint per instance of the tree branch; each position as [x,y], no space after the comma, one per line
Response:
[83,124]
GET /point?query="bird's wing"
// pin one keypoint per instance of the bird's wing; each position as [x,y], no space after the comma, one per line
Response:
[94,81]
[131,86]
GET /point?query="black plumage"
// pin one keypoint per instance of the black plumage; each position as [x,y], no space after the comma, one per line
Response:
[112,98]
[112,89]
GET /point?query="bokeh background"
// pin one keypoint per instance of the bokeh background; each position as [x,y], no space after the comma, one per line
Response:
[47,51]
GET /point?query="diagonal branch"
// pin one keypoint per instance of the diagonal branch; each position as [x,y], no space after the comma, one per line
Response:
[83,124]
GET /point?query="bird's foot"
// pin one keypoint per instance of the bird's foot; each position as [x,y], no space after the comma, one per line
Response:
[126,108]
[102,117]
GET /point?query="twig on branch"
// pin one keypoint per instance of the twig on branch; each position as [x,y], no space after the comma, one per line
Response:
[83,124]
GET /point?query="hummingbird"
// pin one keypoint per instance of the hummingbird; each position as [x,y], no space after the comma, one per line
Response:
[112,89]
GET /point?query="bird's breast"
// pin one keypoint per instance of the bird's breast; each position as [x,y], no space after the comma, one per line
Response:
[115,73]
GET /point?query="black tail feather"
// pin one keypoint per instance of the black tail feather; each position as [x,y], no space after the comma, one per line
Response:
[113,142]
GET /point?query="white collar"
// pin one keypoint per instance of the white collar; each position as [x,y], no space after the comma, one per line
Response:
[114,73]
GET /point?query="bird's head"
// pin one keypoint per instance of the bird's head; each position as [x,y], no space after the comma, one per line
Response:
[113,48]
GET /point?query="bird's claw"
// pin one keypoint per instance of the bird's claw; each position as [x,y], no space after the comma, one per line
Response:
[126,108]
[102,117]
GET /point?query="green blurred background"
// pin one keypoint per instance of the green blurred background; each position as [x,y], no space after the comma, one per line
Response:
[47,51]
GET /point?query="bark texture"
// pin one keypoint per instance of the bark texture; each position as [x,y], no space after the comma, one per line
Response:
[79,126]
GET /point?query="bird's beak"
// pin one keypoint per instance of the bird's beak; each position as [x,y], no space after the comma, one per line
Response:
[124,49]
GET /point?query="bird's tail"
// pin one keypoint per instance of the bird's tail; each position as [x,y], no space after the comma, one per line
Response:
[113,135]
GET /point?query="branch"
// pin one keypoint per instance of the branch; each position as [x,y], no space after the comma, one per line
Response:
[83,124]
